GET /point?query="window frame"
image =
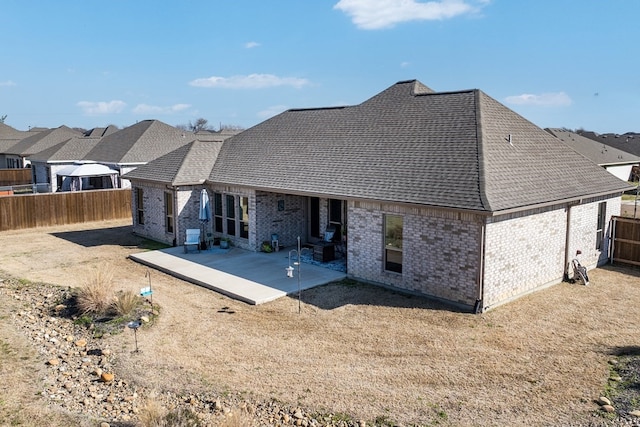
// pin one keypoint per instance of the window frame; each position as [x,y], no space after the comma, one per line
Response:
[600,225]
[392,251]
[169,210]
[230,214]
[218,220]
[243,216]
[140,205]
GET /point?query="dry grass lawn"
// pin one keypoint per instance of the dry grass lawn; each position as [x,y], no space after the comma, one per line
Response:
[354,349]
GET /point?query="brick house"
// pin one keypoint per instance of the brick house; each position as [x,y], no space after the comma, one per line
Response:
[449,195]
[165,192]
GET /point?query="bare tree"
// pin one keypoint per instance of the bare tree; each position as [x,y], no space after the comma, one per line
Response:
[3,118]
[198,125]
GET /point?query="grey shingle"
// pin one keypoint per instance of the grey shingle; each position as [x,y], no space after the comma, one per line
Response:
[70,150]
[598,152]
[409,144]
[39,141]
[187,165]
[139,143]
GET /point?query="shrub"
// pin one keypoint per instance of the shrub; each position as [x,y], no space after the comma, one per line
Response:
[125,302]
[153,415]
[96,297]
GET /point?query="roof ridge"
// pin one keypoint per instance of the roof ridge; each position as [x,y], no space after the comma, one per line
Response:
[481,154]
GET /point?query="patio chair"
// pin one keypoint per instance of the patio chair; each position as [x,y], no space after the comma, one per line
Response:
[192,239]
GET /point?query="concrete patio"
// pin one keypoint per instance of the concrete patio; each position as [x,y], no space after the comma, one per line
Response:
[252,277]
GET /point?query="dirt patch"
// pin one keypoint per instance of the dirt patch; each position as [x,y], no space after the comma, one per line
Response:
[355,349]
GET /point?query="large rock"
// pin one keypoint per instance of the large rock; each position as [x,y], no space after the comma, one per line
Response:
[106,377]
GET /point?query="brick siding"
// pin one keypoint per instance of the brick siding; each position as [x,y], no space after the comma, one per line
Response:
[439,256]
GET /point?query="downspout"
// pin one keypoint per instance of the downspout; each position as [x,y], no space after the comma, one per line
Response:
[567,245]
[175,216]
[479,306]
[612,240]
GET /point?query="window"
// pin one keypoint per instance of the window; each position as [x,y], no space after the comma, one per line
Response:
[231,215]
[217,212]
[336,216]
[168,212]
[393,243]
[602,215]
[244,217]
[140,205]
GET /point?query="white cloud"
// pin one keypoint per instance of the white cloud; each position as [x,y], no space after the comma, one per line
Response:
[250,45]
[252,81]
[405,64]
[558,99]
[153,109]
[378,14]
[272,111]
[99,108]
[7,83]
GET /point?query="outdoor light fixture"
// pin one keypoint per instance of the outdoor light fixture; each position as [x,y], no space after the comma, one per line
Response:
[289,270]
[135,325]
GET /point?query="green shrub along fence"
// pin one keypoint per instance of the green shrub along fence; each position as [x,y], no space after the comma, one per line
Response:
[50,209]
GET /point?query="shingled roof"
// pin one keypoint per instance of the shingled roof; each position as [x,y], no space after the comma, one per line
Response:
[598,152]
[187,165]
[408,144]
[36,142]
[72,149]
[139,143]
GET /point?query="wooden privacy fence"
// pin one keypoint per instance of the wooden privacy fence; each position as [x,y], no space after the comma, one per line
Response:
[44,210]
[10,177]
[625,240]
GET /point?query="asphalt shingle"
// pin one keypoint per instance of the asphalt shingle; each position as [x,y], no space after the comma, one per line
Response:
[409,144]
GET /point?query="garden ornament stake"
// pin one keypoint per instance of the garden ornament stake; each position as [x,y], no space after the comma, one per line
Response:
[290,269]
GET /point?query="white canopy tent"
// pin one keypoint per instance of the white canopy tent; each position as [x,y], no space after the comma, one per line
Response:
[88,176]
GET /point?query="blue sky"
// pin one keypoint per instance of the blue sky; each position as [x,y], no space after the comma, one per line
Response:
[83,63]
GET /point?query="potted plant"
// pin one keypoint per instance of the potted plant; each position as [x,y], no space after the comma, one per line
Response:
[266,247]
[224,242]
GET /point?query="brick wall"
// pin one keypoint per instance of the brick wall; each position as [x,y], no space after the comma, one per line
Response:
[281,214]
[154,215]
[525,252]
[440,250]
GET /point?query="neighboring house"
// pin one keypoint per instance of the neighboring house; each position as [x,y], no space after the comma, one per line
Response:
[166,191]
[49,165]
[8,138]
[136,145]
[617,162]
[448,195]
[17,154]
[628,142]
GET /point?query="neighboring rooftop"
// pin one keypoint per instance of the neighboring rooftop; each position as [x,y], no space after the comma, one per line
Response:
[39,141]
[67,151]
[139,143]
[628,142]
[596,151]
